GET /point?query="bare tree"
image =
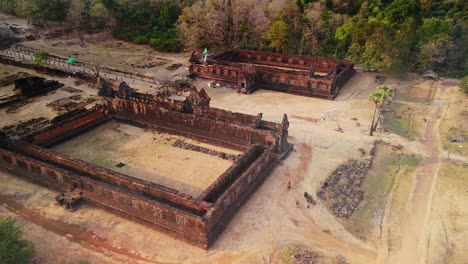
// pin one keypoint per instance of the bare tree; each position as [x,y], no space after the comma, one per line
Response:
[249,23]
[75,18]
[96,59]
[205,24]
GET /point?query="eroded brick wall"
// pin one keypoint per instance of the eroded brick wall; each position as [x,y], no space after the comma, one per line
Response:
[176,222]
[61,130]
[198,220]
[216,189]
[301,75]
[287,61]
[237,193]
[213,130]
[148,189]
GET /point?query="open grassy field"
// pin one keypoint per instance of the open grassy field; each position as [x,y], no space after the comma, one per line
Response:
[454,125]
[405,120]
[390,170]
[147,155]
[449,216]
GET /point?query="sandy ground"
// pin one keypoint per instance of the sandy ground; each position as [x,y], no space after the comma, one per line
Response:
[36,107]
[447,242]
[146,155]
[268,217]
[270,221]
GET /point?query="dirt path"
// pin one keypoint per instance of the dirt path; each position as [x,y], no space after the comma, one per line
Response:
[72,69]
[72,232]
[413,242]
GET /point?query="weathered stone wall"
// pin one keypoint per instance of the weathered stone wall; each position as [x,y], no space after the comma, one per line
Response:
[61,130]
[238,192]
[216,189]
[213,130]
[279,60]
[299,83]
[177,222]
[228,116]
[301,75]
[343,77]
[198,220]
[227,73]
[146,188]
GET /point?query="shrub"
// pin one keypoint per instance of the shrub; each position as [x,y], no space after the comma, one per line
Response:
[140,40]
[13,249]
[464,84]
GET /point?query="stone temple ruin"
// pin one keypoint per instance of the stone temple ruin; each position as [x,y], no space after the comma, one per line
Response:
[196,219]
[251,70]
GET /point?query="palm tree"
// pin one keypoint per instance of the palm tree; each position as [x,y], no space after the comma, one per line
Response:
[382,94]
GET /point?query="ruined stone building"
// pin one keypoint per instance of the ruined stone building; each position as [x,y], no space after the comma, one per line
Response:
[252,70]
[196,219]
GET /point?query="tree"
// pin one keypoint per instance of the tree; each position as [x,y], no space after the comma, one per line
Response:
[372,43]
[13,249]
[96,59]
[434,53]
[379,97]
[76,14]
[41,57]
[100,15]
[278,35]
[52,10]
[464,84]
[205,25]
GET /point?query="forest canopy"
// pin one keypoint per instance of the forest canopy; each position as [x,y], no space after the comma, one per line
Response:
[398,35]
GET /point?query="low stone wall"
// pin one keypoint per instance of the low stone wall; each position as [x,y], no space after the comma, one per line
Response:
[176,222]
[252,70]
[50,70]
[216,189]
[228,116]
[216,131]
[219,72]
[67,128]
[148,189]
[278,60]
[197,220]
[238,192]
[343,77]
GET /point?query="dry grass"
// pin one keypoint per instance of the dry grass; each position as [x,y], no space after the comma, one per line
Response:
[388,168]
[455,124]
[449,216]
[147,155]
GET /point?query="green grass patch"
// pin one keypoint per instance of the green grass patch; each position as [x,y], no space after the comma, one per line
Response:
[387,165]
[403,185]
[449,215]
[455,125]
[403,120]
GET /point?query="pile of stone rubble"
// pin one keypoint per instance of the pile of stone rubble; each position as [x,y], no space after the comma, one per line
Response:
[343,187]
[183,145]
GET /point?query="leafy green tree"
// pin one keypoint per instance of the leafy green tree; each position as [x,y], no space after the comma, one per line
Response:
[100,15]
[404,45]
[13,249]
[431,28]
[464,84]
[372,43]
[278,35]
[41,57]
[399,10]
[52,10]
[382,94]
[434,52]
[8,6]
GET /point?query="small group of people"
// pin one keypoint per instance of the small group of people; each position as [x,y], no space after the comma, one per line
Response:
[297,201]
